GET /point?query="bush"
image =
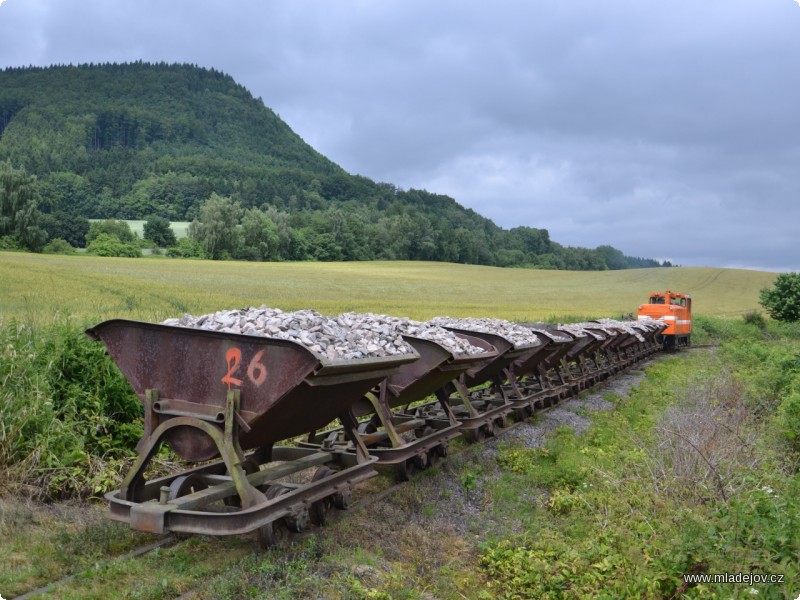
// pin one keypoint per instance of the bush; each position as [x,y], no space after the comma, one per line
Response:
[782,301]
[109,245]
[8,242]
[59,246]
[187,248]
[755,318]
[789,419]
[118,229]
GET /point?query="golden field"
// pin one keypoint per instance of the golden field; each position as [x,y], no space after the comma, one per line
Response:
[37,287]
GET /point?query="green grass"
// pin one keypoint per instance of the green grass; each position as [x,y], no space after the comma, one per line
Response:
[689,474]
[93,288]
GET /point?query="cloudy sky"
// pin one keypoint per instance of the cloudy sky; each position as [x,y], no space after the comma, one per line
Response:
[669,129]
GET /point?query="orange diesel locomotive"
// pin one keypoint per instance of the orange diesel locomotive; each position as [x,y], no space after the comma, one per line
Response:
[676,310]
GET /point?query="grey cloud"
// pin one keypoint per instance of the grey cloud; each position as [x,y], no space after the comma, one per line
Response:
[646,125]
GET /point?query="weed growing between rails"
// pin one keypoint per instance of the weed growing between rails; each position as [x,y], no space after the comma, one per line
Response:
[691,474]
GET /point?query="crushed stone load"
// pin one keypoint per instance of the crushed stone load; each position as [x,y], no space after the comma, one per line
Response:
[553,334]
[584,329]
[520,336]
[650,324]
[626,326]
[330,338]
[383,324]
[592,325]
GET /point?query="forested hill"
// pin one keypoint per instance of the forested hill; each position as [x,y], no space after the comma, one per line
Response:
[133,140]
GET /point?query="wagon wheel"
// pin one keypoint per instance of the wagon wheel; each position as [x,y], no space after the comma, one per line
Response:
[342,500]
[181,486]
[501,422]
[420,461]
[250,466]
[519,414]
[319,509]
[433,456]
[367,427]
[297,522]
[269,535]
[476,435]
[186,484]
[442,449]
[272,533]
[405,470]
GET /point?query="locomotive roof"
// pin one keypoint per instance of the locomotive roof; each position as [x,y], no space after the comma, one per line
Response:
[671,293]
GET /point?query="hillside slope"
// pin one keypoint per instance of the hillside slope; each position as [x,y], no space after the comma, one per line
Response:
[132,140]
[116,125]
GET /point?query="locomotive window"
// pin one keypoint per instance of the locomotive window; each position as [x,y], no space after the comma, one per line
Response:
[683,301]
[656,300]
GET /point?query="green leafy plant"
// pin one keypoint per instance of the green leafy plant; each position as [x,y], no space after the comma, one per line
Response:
[109,245]
[755,318]
[69,416]
[59,246]
[782,300]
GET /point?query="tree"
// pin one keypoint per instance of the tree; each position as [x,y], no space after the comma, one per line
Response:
[216,228]
[158,231]
[614,258]
[113,228]
[66,226]
[259,236]
[59,246]
[782,301]
[110,245]
[19,208]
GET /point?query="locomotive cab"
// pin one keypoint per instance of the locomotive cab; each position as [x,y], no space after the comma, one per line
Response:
[676,310]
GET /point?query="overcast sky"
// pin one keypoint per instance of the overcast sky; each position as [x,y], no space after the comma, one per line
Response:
[669,129]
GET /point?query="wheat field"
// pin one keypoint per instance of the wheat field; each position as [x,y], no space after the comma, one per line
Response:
[38,287]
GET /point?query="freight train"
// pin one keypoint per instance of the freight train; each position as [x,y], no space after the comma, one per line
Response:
[345,396]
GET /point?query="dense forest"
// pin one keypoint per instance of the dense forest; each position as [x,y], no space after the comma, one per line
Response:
[184,143]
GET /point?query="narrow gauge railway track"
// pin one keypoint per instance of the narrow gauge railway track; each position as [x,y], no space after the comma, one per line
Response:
[360,504]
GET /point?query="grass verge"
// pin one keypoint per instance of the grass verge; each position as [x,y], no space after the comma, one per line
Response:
[690,474]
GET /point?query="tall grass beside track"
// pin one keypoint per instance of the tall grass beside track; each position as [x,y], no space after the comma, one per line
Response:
[695,472]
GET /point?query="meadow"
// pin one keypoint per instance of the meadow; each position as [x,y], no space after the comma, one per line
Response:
[36,287]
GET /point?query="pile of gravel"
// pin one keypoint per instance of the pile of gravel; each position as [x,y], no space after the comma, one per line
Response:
[651,324]
[585,329]
[384,324]
[553,334]
[628,327]
[520,336]
[335,339]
